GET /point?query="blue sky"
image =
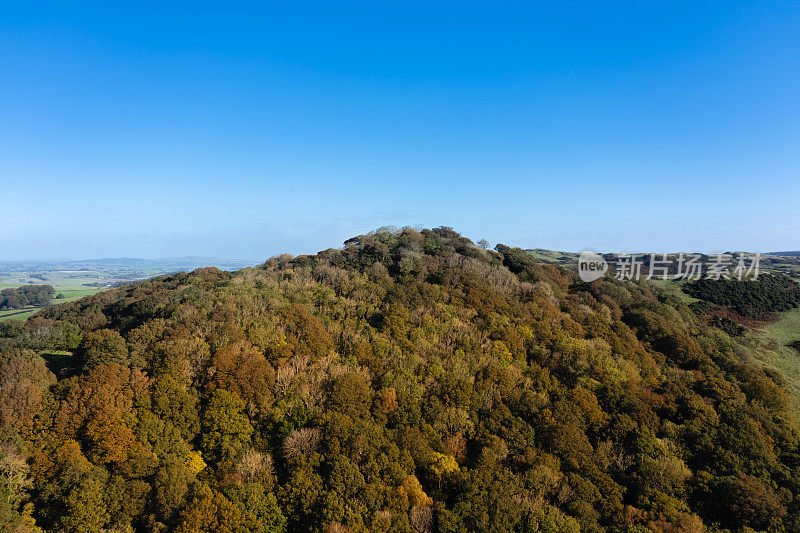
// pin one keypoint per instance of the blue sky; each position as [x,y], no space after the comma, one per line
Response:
[246,130]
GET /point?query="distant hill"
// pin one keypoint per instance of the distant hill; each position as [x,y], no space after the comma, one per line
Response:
[774,262]
[172,264]
[795,253]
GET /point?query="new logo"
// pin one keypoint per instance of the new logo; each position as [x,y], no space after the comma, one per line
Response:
[591,266]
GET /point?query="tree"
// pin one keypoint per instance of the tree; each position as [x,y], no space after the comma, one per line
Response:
[98,408]
[74,497]
[350,393]
[101,347]
[300,495]
[263,505]
[209,510]
[71,335]
[15,482]
[243,368]
[226,429]
[171,487]
[301,442]
[24,392]
[176,403]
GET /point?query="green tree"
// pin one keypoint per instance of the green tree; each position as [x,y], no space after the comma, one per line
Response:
[262,504]
[226,429]
[102,347]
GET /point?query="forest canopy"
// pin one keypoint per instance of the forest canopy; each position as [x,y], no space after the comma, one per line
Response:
[409,381]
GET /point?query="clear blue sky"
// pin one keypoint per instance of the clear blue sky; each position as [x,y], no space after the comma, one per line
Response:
[245,130]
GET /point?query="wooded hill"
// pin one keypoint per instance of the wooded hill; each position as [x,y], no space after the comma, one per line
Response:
[409,381]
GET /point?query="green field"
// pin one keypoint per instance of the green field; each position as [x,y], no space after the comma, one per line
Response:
[674,286]
[18,314]
[552,256]
[73,293]
[770,345]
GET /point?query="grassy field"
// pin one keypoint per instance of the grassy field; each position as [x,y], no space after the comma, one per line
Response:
[18,314]
[785,330]
[770,345]
[72,293]
[551,256]
[674,287]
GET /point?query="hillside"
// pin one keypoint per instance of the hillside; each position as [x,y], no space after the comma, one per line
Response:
[409,381]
